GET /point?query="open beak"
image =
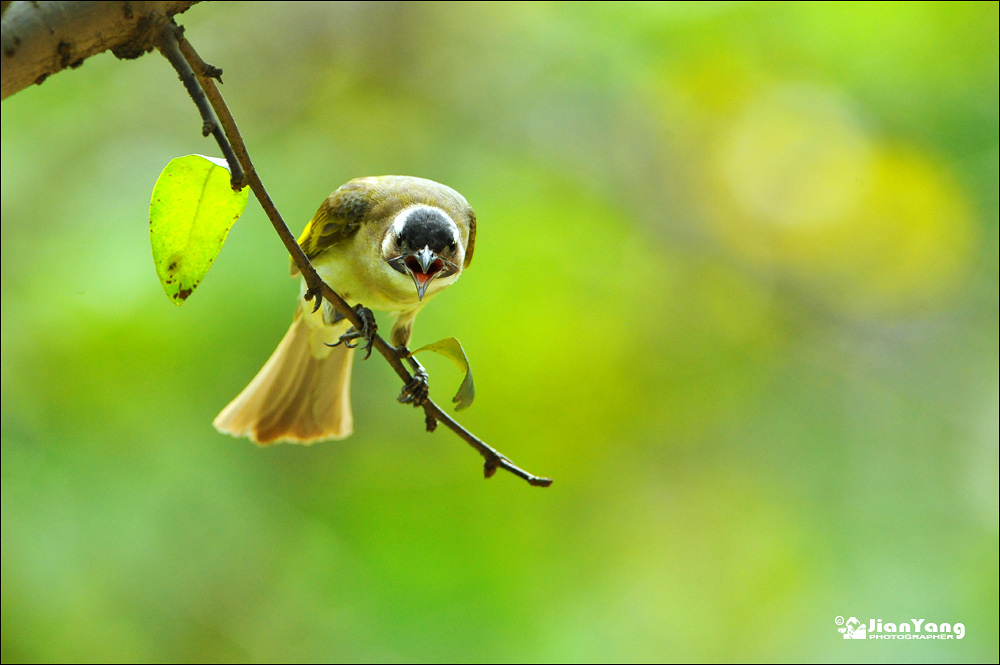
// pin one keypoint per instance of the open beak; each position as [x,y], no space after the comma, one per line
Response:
[423,266]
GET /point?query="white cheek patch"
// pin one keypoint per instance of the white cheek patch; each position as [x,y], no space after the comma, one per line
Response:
[400,221]
[394,230]
[456,237]
[389,239]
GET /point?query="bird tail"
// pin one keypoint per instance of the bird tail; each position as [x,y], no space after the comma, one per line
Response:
[301,395]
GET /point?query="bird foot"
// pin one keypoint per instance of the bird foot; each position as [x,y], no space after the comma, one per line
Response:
[369,329]
[315,294]
[417,390]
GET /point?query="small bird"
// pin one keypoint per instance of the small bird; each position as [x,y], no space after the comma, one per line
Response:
[389,243]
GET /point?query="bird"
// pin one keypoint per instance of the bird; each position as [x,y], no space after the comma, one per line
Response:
[384,243]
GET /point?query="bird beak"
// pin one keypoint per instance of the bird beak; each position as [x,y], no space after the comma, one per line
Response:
[423,266]
[426,258]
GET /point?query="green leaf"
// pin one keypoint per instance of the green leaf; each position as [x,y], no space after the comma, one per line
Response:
[451,348]
[192,209]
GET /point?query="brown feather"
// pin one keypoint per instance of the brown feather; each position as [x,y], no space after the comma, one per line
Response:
[296,397]
[471,247]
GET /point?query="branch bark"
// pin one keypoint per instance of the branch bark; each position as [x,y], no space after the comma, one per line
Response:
[42,38]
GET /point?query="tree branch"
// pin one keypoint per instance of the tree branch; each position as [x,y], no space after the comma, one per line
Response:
[168,45]
[42,38]
[493,459]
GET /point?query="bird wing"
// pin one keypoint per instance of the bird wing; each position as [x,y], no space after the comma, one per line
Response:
[337,219]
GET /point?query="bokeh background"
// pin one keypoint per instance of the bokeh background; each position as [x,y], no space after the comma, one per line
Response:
[735,290]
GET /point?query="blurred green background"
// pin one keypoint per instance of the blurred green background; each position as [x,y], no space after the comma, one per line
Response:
[735,289]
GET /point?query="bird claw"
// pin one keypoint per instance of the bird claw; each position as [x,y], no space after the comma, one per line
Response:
[417,390]
[315,294]
[369,329]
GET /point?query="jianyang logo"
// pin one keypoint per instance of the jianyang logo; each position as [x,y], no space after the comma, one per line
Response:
[914,629]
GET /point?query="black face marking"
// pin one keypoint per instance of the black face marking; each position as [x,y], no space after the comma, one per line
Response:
[426,227]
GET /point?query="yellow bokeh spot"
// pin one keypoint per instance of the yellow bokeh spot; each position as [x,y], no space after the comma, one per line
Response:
[796,157]
[802,188]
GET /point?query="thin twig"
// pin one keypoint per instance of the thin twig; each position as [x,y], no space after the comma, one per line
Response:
[316,287]
[167,43]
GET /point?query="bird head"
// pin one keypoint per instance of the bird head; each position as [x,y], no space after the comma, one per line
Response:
[424,243]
